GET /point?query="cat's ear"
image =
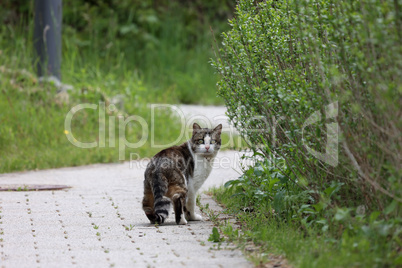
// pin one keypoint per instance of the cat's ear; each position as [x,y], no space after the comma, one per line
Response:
[218,129]
[196,126]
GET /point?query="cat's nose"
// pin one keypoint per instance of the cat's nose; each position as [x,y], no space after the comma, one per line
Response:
[207,147]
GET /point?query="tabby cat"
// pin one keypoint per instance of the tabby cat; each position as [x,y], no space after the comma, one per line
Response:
[175,174]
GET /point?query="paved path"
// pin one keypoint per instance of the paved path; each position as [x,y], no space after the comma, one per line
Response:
[99,222]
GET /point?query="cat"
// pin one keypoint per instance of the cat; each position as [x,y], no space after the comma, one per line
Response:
[174,175]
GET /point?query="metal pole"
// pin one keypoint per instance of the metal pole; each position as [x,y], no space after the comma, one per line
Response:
[47,37]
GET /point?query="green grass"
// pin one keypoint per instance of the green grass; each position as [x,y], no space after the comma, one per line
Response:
[170,71]
[32,133]
[183,72]
[301,246]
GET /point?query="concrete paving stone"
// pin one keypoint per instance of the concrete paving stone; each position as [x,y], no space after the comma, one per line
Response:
[99,222]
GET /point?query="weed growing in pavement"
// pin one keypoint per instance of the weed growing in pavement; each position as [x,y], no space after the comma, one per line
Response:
[129,228]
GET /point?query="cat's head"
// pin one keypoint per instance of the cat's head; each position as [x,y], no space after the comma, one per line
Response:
[206,141]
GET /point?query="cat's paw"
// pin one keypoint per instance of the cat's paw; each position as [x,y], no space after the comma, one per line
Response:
[196,217]
[182,220]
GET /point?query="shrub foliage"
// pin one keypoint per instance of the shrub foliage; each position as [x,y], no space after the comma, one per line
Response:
[317,84]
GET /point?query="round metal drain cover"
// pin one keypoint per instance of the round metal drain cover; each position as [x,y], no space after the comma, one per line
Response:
[32,187]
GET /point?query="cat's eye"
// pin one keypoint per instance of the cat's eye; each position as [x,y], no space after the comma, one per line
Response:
[213,141]
[200,141]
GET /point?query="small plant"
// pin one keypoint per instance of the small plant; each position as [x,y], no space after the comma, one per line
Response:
[215,236]
[213,216]
[96,227]
[129,228]
[24,188]
[231,233]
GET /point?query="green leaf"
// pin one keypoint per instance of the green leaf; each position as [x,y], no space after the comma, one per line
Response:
[215,236]
[391,207]
[258,171]
[272,183]
[319,206]
[231,183]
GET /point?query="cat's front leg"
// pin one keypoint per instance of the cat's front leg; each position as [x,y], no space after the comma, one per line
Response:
[190,207]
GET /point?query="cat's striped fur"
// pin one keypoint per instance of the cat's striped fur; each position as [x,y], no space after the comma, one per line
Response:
[174,175]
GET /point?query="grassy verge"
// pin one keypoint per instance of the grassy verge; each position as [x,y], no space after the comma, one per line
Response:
[33,134]
[32,124]
[32,115]
[302,246]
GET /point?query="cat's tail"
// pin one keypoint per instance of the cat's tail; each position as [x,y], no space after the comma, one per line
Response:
[162,203]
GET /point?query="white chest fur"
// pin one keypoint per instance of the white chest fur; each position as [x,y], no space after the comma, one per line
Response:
[202,169]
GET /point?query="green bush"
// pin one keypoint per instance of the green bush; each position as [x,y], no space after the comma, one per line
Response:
[338,62]
[315,89]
